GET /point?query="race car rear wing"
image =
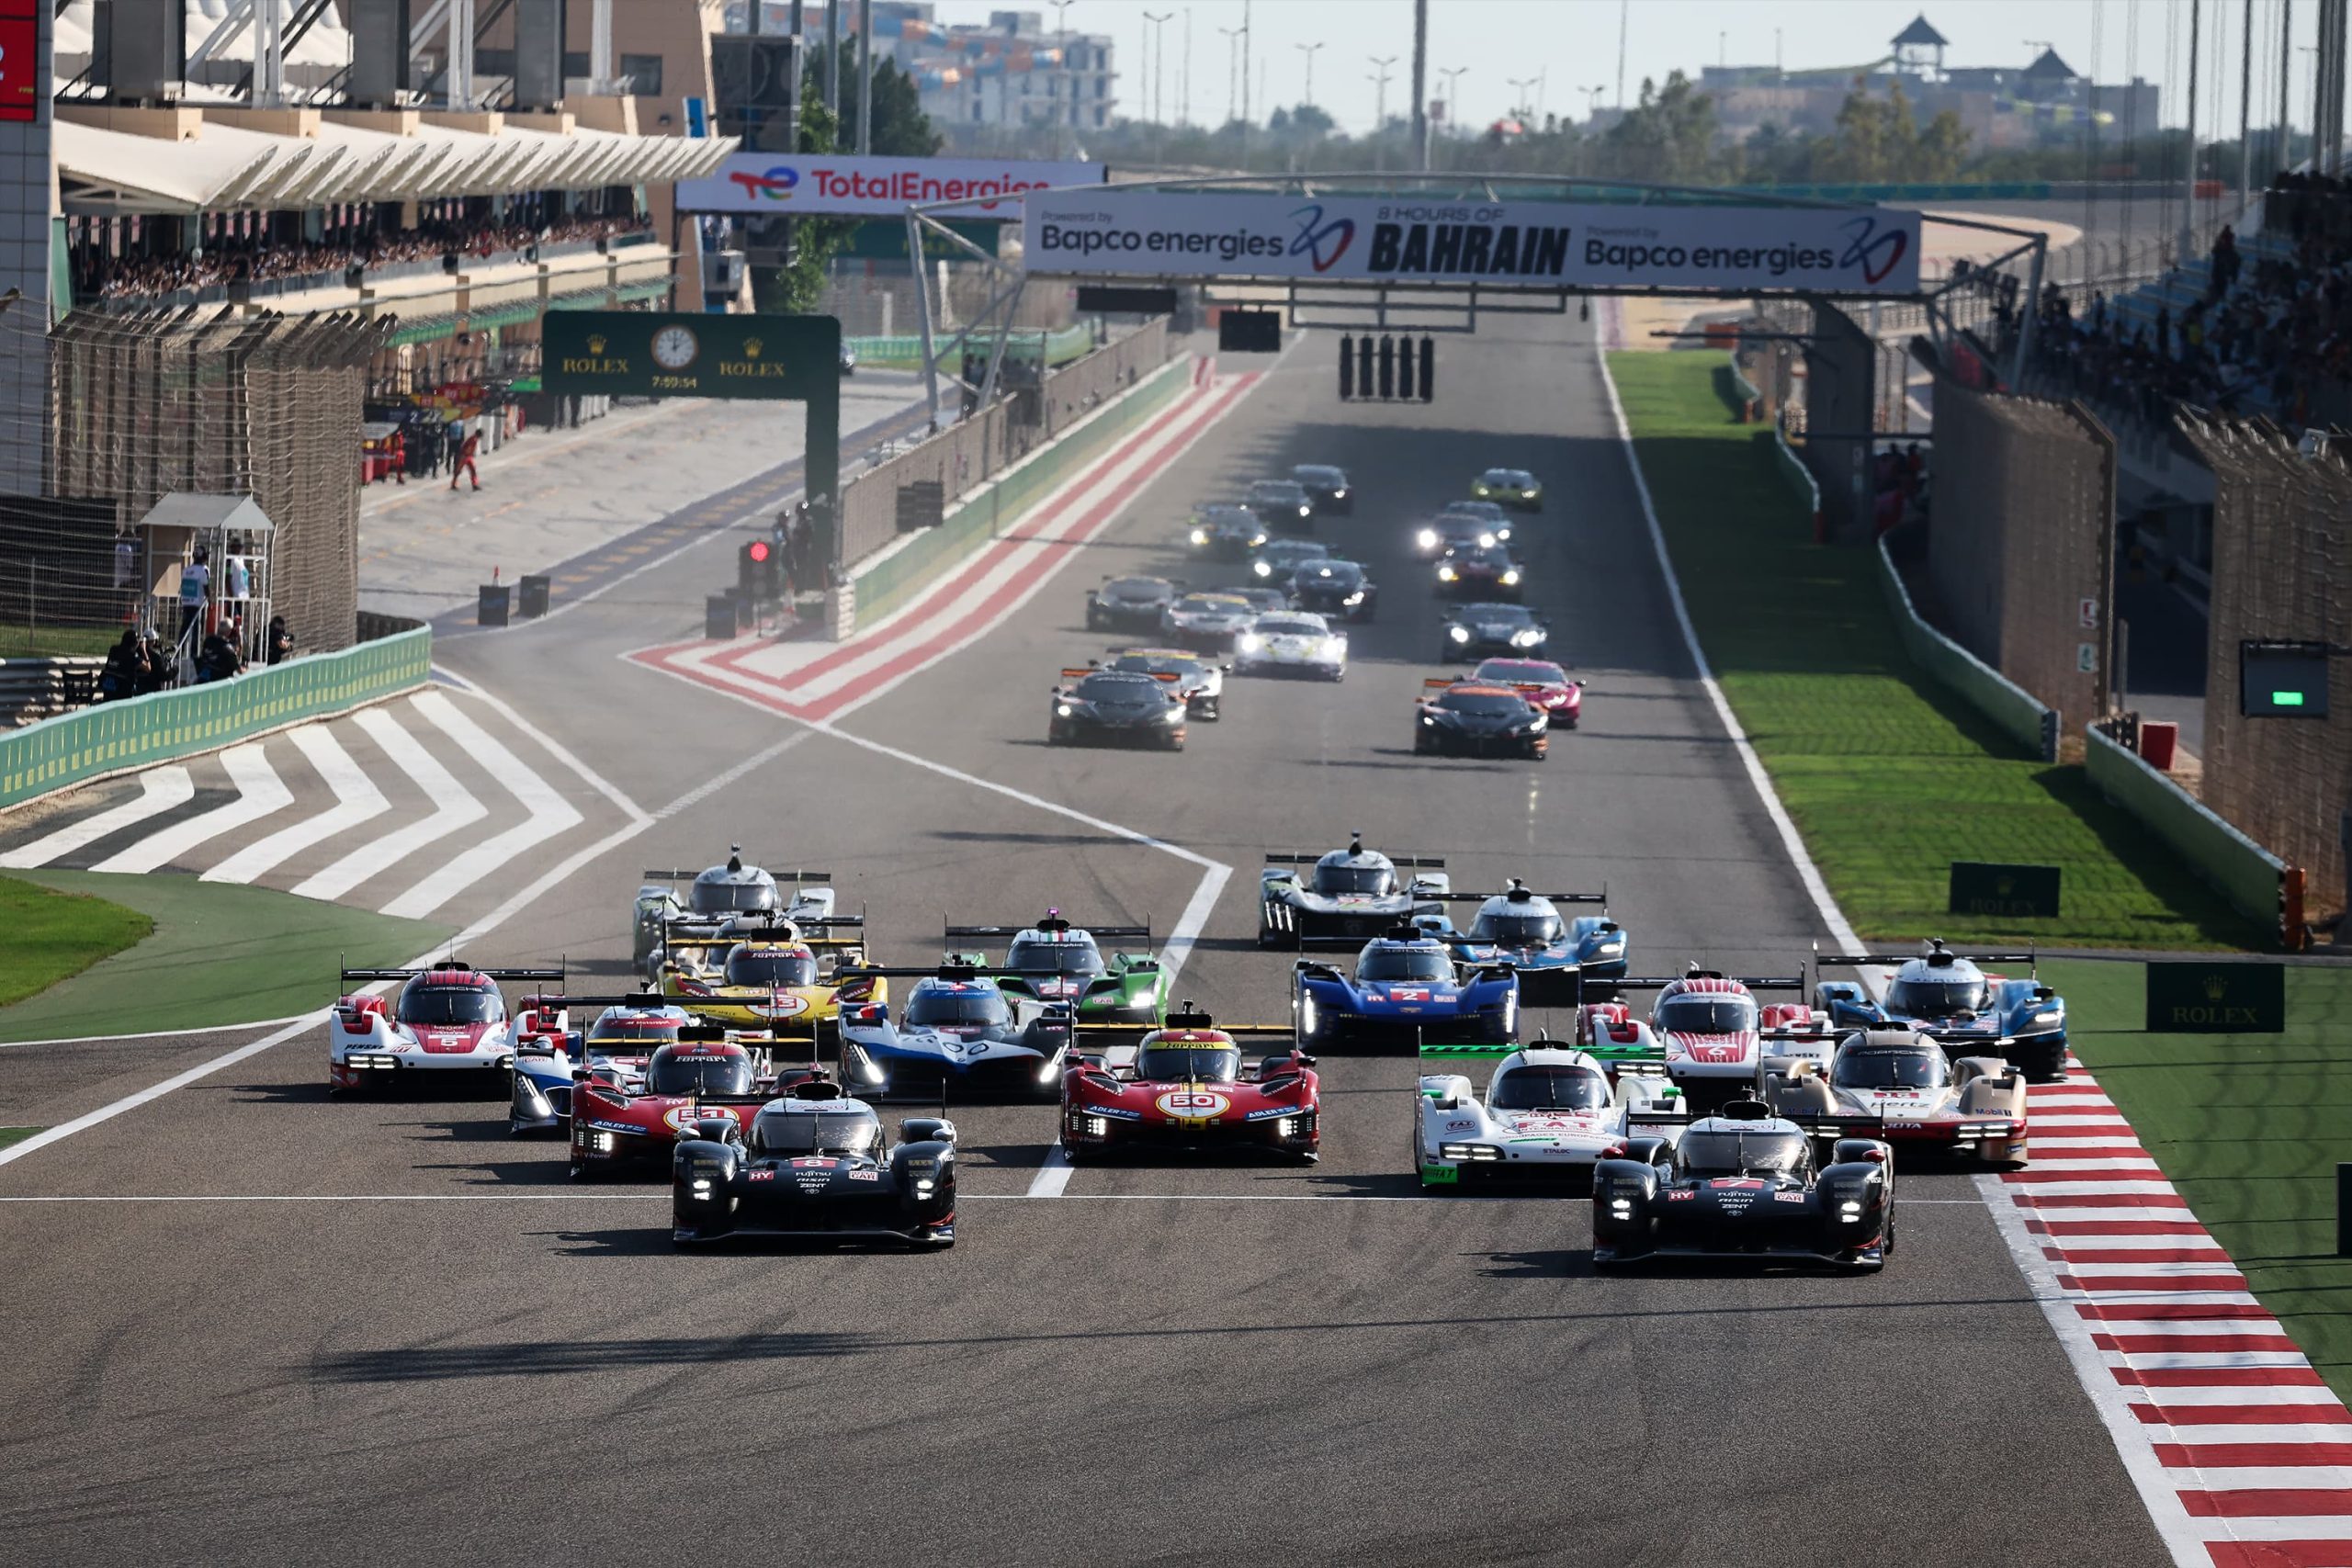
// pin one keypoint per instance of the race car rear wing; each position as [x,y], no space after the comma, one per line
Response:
[1753,982]
[1402,863]
[1051,922]
[940,972]
[795,878]
[1080,672]
[1600,897]
[1932,951]
[449,964]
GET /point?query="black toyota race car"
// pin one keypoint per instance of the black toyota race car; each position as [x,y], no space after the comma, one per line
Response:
[1116,706]
[1327,488]
[1743,1184]
[1476,718]
[1336,590]
[1282,504]
[813,1166]
[1130,603]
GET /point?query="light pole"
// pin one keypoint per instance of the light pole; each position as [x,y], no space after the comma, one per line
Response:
[1522,105]
[1152,19]
[1453,74]
[1184,88]
[1308,50]
[1592,99]
[1232,73]
[1380,98]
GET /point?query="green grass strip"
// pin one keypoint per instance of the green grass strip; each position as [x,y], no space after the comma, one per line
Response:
[14,1134]
[53,935]
[1888,776]
[2249,1127]
[216,954]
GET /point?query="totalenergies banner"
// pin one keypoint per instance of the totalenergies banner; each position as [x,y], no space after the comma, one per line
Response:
[828,184]
[1141,232]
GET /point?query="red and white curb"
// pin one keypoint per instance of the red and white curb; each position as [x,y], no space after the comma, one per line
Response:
[2238,1447]
[819,682]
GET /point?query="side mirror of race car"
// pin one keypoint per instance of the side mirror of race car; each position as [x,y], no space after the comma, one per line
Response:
[926,1129]
[716,1129]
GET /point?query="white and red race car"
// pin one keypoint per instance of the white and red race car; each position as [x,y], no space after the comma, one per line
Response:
[1706,1031]
[449,1017]
[1897,1084]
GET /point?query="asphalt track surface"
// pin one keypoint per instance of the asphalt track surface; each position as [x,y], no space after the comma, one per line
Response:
[1165,1363]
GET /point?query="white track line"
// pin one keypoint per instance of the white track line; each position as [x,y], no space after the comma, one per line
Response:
[453,806]
[160,789]
[548,813]
[357,800]
[151,1034]
[260,792]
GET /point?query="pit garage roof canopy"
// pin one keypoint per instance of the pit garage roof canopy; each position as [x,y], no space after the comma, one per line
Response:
[224,169]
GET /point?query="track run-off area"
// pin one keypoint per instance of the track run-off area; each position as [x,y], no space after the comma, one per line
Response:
[255,1322]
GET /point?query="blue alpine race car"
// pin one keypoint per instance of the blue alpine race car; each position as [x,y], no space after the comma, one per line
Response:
[1557,957]
[1945,996]
[1405,988]
[957,1032]
[616,1047]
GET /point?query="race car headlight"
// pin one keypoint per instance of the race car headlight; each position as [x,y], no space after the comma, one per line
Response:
[1511,577]
[601,1142]
[1621,1208]
[1263,568]
[1200,535]
[2049,1015]
[1537,722]
[1527,637]
[1353,599]
[1479,490]
[1445,574]
[702,1186]
[1286,1127]
[1612,945]
[1469,1152]
[1062,710]
[1459,634]
[1850,1209]
[1486,541]
[1251,642]
[1426,538]
[1339,495]
[923,1185]
[1429,720]
[1175,715]
[1307,1013]
[1097,1126]
[1304,510]
[1502,535]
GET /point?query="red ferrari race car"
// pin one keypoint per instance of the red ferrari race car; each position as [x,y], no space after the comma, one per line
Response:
[703,1076]
[1183,1087]
[449,1018]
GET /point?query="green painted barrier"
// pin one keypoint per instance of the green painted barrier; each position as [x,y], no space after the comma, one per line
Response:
[2241,871]
[137,731]
[1792,468]
[906,352]
[2015,709]
[890,581]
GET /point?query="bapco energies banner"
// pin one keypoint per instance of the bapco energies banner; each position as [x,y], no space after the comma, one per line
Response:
[1739,249]
[828,184]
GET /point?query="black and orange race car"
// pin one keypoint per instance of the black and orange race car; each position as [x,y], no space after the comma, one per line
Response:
[1478,718]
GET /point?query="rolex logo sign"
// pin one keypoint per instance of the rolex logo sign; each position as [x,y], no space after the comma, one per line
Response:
[595,343]
[2217,998]
[2003,892]
[752,348]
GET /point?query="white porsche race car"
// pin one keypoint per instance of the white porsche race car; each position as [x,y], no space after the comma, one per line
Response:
[1292,642]
[1549,1111]
[451,1018]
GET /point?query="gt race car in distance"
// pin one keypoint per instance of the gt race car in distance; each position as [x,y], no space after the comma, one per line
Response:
[450,1018]
[1493,627]
[1348,897]
[1116,708]
[1945,995]
[1463,525]
[1744,1184]
[1480,568]
[1708,1030]
[1508,487]
[1467,718]
[813,1166]
[1226,530]
[1199,681]
[1542,683]
[1281,504]
[617,1125]
[1275,565]
[1185,1087]
[1405,988]
[1549,1113]
[1327,488]
[1897,1084]
[618,1046]
[958,1031]
[1555,957]
[1130,603]
[1292,642]
[1054,961]
[1210,622]
[1338,590]
[715,894]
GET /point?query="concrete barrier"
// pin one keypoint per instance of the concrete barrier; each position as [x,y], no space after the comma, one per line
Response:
[2241,871]
[137,732]
[905,353]
[2016,710]
[1792,468]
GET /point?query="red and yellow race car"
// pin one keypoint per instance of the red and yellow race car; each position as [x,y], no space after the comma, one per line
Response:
[1185,1087]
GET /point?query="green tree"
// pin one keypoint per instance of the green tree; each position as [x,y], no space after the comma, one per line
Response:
[900,130]
[1669,137]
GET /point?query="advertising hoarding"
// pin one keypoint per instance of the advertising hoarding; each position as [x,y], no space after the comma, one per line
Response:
[836,185]
[1145,232]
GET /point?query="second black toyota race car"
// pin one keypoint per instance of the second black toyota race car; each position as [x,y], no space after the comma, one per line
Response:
[813,1166]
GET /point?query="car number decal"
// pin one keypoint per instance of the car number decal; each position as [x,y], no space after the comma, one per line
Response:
[1192,1104]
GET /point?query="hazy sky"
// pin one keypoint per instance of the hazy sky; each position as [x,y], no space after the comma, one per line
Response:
[1574,44]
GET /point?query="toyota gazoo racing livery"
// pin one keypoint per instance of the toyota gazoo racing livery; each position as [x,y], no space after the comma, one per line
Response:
[1549,1112]
[766,974]
[1470,718]
[1337,590]
[1898,1085]
[958,1034]
[1227,530]
[1199,681]
[1054,961]
[1130,603]
[714,894]
[1348,896]
[1493,627]
[1462,525]
[1327,488]
[1745,1184]
[1555,955]
[1708,1031]
[450,1018]
[617,1046]
[617,1123]
[1405,988]
[1185,1087]
[1116,708]
[1209,622]
[1945,994]
[1292,642]
[1542,683]
[1508,487]
[812,1165]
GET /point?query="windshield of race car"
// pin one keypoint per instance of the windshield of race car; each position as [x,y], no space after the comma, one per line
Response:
[1705,1015]
[1213,604]
[1377,880]
[1158,663]
[1760,1152]
[1495,558]
[1486,511]
[781,968]
[450,1004]
[1278,491]
[686,1071]
[815,1133]
[1343,574]
[1318,474]
[1549,1088]
[1288,626]
[1904,1066]
[962,1007]
[1062,957]
[1189,1064]
[1135,588]
[1516,930]
[1387,961]
[728,897]
[1121,687]
[1485,704]
[1935,998]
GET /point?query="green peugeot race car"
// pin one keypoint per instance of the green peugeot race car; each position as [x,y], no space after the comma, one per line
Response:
[1056,961]
[1508,487]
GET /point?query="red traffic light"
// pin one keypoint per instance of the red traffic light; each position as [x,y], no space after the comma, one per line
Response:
[757,549]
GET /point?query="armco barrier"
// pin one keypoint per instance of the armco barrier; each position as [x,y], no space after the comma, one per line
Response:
[2245,873]
[888,582]
[2012,707]
[137,731]
[1800,478]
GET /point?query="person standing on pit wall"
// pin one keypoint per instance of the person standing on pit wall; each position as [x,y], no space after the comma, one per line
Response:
[195,581]
[464,460]
[453,441]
